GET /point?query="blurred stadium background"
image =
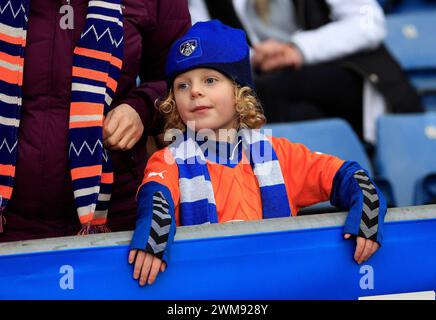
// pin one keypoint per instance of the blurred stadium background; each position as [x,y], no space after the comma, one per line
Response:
[403,161]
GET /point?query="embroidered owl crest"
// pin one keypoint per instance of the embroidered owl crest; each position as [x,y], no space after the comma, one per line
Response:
[188,47]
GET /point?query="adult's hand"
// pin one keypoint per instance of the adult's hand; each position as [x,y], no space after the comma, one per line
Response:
[122,128]
[272,55]
[365,248]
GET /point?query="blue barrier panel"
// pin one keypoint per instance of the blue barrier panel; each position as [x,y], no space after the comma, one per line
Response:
[268,259]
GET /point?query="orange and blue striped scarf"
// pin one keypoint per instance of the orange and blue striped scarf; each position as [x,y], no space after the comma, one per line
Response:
[97,63]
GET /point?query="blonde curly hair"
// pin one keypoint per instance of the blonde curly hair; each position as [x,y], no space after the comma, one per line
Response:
[248,109]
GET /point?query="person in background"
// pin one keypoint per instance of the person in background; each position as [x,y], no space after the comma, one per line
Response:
[73,121]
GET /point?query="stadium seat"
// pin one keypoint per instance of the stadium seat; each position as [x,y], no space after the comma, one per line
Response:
[426,190]
[331,136]
[411,40]
[397,6]
[406,156]
[429,103]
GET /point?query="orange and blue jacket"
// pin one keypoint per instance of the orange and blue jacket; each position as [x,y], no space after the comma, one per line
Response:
[310,177]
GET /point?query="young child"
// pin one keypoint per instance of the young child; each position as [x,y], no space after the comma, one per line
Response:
[220,169]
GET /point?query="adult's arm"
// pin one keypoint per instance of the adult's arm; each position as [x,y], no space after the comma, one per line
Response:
[357,25]
[170,20]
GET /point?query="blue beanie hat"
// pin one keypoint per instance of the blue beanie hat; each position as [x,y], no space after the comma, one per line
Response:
[211,44]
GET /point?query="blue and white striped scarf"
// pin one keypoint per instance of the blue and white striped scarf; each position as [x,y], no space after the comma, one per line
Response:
[197,201]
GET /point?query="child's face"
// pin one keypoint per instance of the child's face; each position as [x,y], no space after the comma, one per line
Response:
[207,97]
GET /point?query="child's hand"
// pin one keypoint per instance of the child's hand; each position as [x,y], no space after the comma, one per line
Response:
[147,266]
[365,248]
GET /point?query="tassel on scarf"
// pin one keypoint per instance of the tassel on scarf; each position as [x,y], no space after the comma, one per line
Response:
[2,222]
[89,229]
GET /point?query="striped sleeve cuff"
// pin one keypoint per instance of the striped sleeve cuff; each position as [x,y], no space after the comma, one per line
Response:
[160,226]
[369,222]
[353,190]
[155,225]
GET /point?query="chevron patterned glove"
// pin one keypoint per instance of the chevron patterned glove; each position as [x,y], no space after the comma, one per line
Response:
[155,226]
[160,226]
[353,190]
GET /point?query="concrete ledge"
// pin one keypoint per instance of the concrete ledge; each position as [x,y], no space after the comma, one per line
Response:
[214,230]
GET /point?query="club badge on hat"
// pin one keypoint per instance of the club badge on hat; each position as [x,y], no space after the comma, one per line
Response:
[188,47]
